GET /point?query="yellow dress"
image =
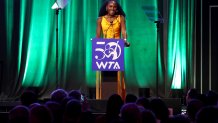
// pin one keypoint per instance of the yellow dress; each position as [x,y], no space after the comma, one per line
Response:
[111,30]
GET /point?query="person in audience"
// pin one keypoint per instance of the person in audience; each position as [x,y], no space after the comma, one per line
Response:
[130,113]
[191,94]
[148,116]
[207,114]
[58,95]
[76,94]
[65,101]
[143,101]
[114,105]
[160,110]
[56,111]
[72,112]
[130,98]
[193,107]
[19,114]
[179,119]
[40,114]
[203,99]
[33,105]
[211,98]
[28,97]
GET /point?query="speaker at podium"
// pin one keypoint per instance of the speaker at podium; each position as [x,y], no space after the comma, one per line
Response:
[108,62]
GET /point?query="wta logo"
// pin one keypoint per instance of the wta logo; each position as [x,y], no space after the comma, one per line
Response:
[107,54]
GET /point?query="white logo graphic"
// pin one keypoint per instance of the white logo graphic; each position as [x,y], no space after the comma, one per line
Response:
[111,49]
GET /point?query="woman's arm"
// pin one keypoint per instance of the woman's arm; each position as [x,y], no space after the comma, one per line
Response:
[123,31]
[123,27]
[98,30]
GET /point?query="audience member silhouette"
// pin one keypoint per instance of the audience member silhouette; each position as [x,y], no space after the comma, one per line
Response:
[65,101]
[143,101]
[160,109]
[72,111]
[208,114]
[74,108]
[211,98]
[56,111]
[193,107]
[130,98]
[40,114]
[58,95]
[19,114]
[76,94]
[148,116]
[114,105]
[179,119]
[191,94]
[28,97]
[33,105]
[130,113]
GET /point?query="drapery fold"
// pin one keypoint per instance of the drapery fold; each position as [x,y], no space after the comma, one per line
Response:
[180,43]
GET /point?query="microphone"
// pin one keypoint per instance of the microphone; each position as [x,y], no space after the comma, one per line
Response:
[126,43]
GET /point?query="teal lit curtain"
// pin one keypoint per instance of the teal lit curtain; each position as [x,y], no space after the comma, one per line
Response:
[180,43]
[140,66]
[28,44]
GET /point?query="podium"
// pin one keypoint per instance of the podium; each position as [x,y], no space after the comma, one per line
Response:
[108,62]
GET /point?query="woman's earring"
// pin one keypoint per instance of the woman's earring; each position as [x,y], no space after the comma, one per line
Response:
[106,9]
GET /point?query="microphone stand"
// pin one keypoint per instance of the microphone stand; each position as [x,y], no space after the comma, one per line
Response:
[57,78]
[58,5]
[157,53]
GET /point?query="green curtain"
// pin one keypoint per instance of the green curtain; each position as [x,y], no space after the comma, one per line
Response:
[180,43]
[29,42]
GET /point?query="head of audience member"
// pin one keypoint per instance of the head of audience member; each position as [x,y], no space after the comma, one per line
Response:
[33,105]
[208,114]
[130,98]
[28,97]
[130,113]
[160,109]
[179,119]
[58,95]
[203,98]
[65,101]
[56,111]
[211,98]
[114,105]
[191,94]
[193,107]
[19,114]
[143,101]
[148,116]
[76,94]
[40,114]
[72,111]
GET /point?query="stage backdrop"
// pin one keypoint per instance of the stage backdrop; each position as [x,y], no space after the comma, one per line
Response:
[28,45]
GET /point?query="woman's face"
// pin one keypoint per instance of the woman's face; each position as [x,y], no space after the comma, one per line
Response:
[112,8]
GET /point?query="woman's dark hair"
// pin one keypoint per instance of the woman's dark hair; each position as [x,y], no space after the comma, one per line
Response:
[103,11]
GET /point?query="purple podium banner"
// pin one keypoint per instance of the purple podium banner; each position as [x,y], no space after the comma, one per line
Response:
[107,54]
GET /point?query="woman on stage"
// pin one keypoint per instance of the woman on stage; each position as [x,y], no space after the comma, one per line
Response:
[111,24]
